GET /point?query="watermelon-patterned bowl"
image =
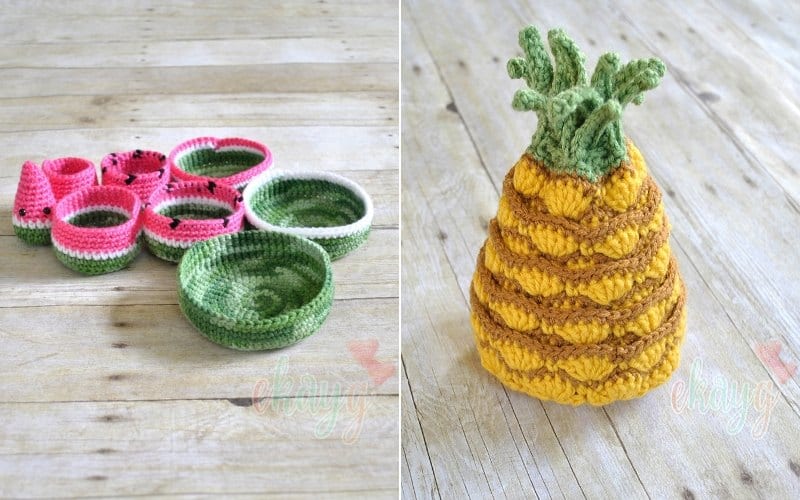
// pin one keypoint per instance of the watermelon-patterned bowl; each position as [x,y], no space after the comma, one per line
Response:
[180,214]
[96,230]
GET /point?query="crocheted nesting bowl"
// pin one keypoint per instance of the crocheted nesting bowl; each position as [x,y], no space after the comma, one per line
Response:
[324,207]
[33,206]
[140,171]
[256,290]
[67,175]
[96,230]
[232,161]
[180,214]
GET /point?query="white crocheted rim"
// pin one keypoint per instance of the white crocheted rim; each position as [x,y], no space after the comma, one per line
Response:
[31,224]
[309,232]
[94,255]
[185,243]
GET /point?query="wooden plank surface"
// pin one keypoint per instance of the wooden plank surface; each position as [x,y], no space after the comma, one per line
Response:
[718,136]
[107,390]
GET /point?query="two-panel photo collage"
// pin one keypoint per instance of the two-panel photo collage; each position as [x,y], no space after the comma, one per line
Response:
[417,249]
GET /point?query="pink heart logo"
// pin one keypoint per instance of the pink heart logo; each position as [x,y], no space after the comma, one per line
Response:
[364,352]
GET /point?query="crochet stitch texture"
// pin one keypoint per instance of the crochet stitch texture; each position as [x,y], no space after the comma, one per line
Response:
[140,171]
[33,206]
[232,161]
[256,290]
[180,214]
[576,296]
[96,230]
[327,208]
[67,175]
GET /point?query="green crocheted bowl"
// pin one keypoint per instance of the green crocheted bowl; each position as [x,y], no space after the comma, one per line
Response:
[256,290]
[324,207]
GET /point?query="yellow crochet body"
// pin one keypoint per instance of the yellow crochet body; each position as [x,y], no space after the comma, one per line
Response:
[576,296]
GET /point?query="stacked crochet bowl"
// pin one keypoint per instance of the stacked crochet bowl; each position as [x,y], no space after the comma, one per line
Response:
[246,290]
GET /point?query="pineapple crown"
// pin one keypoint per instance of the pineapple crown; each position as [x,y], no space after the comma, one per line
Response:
[580,121]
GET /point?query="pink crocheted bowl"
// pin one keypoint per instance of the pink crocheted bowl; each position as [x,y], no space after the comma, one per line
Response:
[67,175]
[140,171]
[232,161]
[180,214]
[96,229]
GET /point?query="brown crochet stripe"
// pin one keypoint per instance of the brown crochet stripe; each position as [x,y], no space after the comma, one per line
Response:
[635,262]
[596,259]
[563,301]
[612,377]
[557,341]
[549,347]
[585,309]
[525,210]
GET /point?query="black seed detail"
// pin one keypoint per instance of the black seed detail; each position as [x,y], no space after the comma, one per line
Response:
[130,179]
[240,199]
[174,223]
[104,169]
[160,173]
[46,210]
[22,212]
[225,222]
[162,157]
[113,162]
[114,155]
[211,186]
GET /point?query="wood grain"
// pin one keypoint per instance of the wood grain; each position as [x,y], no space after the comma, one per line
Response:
[179,447]
[107,390]
[717,135]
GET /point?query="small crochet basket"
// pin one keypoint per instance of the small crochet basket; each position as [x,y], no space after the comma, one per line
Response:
[180,214]
[140,171]
[233,161]
[324,207]
[96,230]
[67,175]
[33,206]
[256,290]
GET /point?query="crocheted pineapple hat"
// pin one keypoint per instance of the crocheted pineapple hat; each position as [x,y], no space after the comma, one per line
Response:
[576,297]
[33,206]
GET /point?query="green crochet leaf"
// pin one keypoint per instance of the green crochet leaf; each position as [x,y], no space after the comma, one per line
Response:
[580,121]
